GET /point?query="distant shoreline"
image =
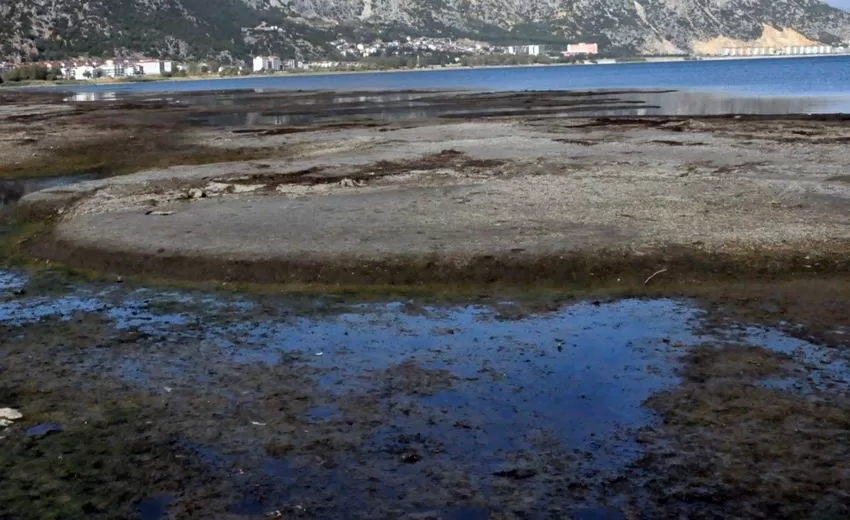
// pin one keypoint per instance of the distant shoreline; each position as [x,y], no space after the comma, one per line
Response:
[114,82]
[162,79]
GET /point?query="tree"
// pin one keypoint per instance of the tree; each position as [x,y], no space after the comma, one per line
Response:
[32,73]
[87,74]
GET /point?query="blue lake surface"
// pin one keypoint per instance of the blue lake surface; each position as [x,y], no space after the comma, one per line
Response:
[805,76]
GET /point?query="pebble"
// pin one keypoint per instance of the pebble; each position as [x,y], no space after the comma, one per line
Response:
[519,473]
[10,414]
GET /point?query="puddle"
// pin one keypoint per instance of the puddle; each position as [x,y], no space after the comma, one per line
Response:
[10,281]
[42,430]
[12,190]
[154,508]
[322,412]
[29,310]
[582,372]
[410,389]
[827,370]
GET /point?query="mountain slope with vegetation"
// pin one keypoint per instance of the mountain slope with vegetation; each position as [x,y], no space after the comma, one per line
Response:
[54,29]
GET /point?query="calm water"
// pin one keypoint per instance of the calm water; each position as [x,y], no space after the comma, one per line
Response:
[582,371]
[820,76]
[12,190]
[389,108]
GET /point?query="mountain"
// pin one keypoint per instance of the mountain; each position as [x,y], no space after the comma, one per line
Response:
[53,29]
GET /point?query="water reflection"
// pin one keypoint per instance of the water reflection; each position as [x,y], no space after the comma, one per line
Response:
[12,190]
[685,103]
[314,108]
[82,97]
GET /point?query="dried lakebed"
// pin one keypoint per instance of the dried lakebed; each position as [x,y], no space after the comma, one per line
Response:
[152,404]
[478,187]
[718,390]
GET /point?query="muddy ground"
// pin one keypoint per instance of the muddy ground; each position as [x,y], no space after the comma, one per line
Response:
[460,306]
[150,403]
[434,187]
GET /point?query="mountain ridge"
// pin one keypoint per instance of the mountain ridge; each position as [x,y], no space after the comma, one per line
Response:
[54,29]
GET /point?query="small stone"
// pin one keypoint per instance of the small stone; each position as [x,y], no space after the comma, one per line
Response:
[350,183]
[10,414]
[196,193]
[519,473]
[411,456]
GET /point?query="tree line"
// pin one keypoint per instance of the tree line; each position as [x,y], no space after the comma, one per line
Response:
[31,73]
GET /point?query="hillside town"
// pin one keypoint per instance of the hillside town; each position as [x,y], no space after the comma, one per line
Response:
[407,52]
[419,51]
[88,68]
[788,50]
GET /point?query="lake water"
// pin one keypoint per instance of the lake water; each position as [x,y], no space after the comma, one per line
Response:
[817,76]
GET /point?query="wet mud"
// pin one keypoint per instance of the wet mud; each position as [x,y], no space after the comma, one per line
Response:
[151,403]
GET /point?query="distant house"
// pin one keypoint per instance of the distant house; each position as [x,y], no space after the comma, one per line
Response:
[85,70]
[267,63]
[526,50]
[149,67]
[579,49]
[117,68]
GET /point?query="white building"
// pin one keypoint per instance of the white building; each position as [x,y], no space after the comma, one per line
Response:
[85,70]
[116,68]
[529,50]
[267,63]
[574,49]
[149,67]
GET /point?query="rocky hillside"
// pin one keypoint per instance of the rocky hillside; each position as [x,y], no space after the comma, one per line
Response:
[53,29]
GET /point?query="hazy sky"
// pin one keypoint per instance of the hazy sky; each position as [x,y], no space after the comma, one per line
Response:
[844,4]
